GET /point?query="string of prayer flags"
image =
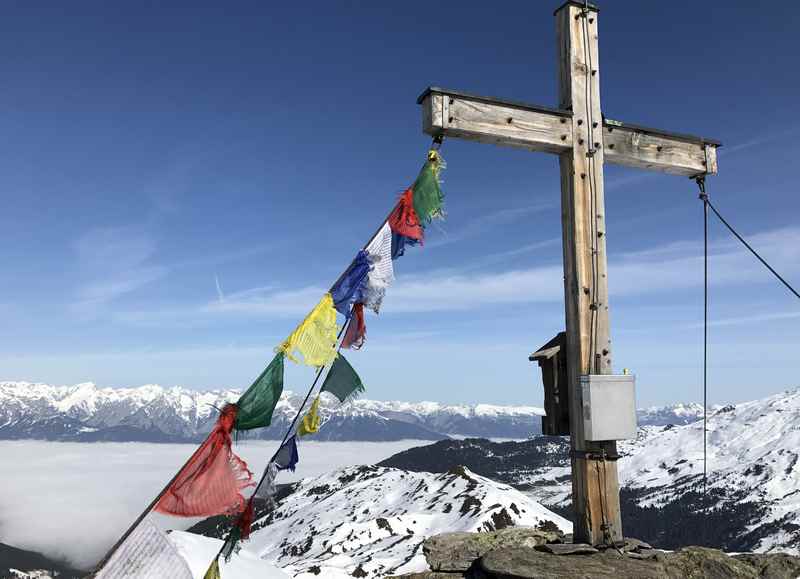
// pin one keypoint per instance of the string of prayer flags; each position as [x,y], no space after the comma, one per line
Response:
[342,381]
[287,456]
[428,197]
[145,553]
[356,332]
[315,338]
[256,405]
[310,422]
[349,288]
[381,276]
[213,570]
[212,481]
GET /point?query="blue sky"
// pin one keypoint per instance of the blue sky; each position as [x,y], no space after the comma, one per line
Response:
[180,182]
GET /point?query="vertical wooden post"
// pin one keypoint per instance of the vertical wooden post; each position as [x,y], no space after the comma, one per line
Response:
[595,485]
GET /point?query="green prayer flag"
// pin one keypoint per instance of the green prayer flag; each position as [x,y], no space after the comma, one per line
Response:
[258,402]
[342,381]
[428,197]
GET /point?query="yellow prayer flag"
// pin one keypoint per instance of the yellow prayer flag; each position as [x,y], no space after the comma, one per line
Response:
[310,422]
[315,338]
[213,570]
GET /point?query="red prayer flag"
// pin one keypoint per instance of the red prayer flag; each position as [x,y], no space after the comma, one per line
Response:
[211,482]
[356,330]
[404,220]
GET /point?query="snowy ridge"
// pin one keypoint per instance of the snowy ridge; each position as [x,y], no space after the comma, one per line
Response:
[376,518]
[677,414]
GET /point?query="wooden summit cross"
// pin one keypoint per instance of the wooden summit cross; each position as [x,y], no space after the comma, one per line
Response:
[584,141]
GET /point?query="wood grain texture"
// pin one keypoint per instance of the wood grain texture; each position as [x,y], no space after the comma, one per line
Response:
[479,119]
[632,148]
[455,116]
[595,486]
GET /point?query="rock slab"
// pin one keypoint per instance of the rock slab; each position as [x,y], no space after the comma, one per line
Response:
[687,563]
[456,552]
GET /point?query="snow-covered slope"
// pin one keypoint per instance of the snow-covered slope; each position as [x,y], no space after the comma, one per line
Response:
[753,499]
[85,412]
[753,452]
[376,518]
[199,551]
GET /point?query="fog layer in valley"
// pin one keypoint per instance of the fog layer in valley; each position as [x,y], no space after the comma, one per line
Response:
[73,500]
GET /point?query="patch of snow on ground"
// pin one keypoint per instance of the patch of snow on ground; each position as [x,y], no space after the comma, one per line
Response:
[199,551]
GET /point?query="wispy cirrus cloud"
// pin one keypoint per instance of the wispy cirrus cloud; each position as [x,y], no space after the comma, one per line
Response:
[113,261]
[748,320]
[657,270]
[759,140]
[487,222]
[116,261]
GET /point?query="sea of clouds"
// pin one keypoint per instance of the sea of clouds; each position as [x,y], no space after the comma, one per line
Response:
[73,500]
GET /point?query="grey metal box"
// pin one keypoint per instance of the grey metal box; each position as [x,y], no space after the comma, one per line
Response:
[609,406]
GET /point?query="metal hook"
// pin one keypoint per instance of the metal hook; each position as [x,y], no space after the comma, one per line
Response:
[701,184]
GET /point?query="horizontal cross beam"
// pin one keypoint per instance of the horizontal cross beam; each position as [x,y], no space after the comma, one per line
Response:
[489,120]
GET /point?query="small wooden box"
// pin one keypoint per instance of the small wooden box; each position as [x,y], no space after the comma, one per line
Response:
[552,359]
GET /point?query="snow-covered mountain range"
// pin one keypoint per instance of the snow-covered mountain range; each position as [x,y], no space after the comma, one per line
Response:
[152,413]
[375,519]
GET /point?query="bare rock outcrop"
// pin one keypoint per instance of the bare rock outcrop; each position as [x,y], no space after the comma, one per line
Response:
[526,553]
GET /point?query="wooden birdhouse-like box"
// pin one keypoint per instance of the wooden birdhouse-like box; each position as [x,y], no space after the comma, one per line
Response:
[552,359]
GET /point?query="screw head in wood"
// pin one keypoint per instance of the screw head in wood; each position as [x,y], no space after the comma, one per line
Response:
[597,145]
[563,137]
[659,148]
[450,119]
[583,175]
[611,146]
[580,141]
[594,124]
[452,100]
[563,121]
[509,120]
[580,121]
[594,72]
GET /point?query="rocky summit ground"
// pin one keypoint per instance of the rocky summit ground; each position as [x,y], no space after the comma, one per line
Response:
[526,553]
